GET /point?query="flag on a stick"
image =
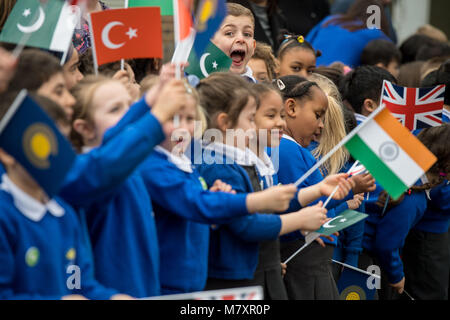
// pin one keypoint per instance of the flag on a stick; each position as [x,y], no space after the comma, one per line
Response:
[416,108]
[126,34]
[165,5]
[209,17]
[212,60]
[354,283]
[48,26]
[394,157]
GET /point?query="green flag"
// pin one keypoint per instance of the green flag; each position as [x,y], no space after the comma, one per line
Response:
[48,26]
[342,221]
[212,60]
[165,5]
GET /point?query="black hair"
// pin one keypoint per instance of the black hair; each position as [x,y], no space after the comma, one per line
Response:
[362,83]
[296,87]
[438,49]
[380,51]
[439,76]
[289,40]
[411,46]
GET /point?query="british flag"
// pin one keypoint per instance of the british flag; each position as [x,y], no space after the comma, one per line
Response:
[416,108]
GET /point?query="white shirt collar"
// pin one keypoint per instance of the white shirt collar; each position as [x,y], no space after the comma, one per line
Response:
[241,157]
[248,73]
[359,117]
[27,205]
[285,136]
[181,162]
[264,166]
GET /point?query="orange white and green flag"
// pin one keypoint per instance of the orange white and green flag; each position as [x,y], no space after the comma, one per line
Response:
[394,156]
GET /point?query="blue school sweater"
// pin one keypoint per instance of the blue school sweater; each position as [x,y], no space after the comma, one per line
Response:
[119,214]
[296,160]
[384,236]
[39,246]
[339,44]
[437,216]
[233,252]
[183,209]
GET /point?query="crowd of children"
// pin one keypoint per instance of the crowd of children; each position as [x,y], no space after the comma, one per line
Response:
[176,188]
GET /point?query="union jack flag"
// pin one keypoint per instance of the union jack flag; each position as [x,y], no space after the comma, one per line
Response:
[416,108]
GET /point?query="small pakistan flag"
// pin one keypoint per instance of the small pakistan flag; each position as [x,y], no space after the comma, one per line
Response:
[48,25]
[342,221]
[212,60]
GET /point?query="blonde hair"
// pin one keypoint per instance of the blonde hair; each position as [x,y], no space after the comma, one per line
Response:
[199,111]
[84,93]
[334,127]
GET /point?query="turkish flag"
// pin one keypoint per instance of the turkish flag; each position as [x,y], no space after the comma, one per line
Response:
[126,34]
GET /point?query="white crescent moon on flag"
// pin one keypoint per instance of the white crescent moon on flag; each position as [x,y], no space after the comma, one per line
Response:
[35,26]
[105,35]
[202,64]
[328,225]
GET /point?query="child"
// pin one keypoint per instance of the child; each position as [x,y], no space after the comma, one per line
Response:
[308,274]
[7,65]
[263,63]
[425,254]
[55,112]
[39,240]
[235,38]
[103,181]
[386,230]
[183,224]
[40,72]
[384,54]
[234,246]
[296,56]
[361,88]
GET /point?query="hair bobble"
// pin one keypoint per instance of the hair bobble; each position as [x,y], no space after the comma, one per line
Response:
[300,39]
[281,85]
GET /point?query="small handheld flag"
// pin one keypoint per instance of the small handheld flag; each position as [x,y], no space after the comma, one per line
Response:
[416,108]
[209,16]
[165,5]
[48,26]
[30,136]
[126,34]
[353,283]
[213,60]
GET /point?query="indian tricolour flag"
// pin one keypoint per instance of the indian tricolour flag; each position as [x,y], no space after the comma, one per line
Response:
[43,24]
[394,157]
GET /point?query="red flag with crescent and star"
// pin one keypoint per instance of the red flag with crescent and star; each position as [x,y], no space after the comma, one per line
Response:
[126,34]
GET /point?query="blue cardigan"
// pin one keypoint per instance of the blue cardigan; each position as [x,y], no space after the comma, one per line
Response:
[295,160]
[384,236]
[339,44]
[183,209]
[437,216]
[105,184]
[233,252]
[35,255]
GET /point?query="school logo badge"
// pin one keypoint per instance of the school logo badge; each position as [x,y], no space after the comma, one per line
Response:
[71,254]
[32,256]
[39,142]
[353,293]
[203,182]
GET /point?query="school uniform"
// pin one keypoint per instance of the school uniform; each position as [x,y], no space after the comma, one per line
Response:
[268,271]
[41,250]
[309,273]
[425,254]
[184,208]
[385,234]
[233,252]
[119,214]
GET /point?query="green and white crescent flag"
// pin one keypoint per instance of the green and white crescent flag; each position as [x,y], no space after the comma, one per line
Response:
[49,25]
[342,221]
[212,60]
